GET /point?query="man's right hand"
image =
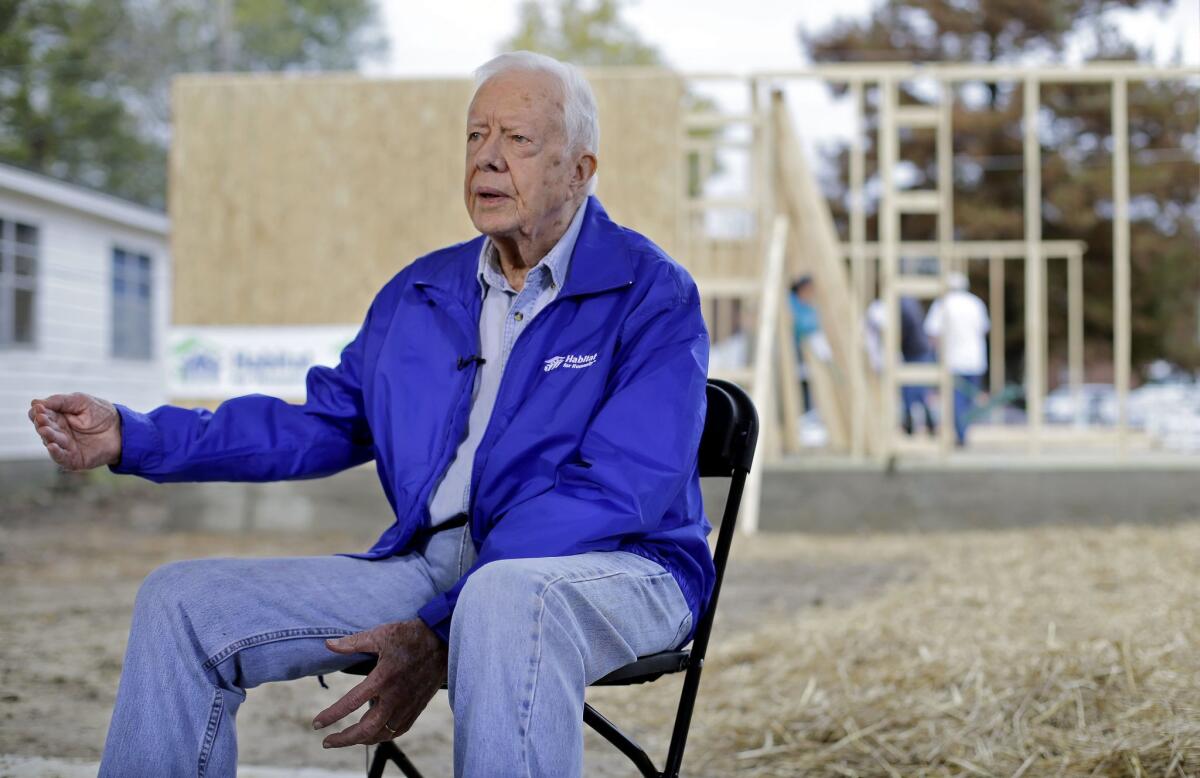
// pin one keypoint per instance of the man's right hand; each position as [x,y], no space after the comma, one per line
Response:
[79,431]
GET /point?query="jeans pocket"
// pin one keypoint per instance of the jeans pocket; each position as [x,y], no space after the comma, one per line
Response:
[681,633]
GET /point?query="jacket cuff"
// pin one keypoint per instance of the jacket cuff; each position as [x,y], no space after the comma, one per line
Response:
[436,615]
[141,446]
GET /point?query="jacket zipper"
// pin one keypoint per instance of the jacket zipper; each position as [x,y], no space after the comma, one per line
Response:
[476,470]
[443,459]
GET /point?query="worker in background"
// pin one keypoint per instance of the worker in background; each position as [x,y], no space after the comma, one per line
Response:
[915,347]
[958,324]
[805,324]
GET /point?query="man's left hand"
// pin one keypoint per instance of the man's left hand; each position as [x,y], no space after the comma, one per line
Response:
[410,669]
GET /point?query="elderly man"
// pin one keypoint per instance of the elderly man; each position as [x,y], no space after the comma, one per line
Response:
[533,400]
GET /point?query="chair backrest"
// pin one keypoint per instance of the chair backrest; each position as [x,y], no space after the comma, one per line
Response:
[730,430]
[726,450]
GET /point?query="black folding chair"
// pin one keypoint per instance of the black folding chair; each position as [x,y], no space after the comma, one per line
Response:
[726,451]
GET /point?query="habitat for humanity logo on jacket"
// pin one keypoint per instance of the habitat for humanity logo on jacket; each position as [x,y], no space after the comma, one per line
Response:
[571,360]
[591,444]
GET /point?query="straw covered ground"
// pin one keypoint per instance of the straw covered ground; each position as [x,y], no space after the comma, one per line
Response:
[1026,652]
[1052,651]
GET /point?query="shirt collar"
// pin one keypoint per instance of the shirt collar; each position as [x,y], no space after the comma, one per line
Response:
[556,262]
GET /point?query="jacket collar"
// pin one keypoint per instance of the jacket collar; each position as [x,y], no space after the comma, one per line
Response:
[599,263]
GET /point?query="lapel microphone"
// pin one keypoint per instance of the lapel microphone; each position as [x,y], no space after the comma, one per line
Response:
[463,362]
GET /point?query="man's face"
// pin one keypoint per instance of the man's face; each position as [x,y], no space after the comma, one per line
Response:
[519,174]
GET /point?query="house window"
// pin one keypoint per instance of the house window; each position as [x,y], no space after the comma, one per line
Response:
[131,305]
[18,282]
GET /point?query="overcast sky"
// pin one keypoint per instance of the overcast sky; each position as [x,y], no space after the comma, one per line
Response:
[452,38]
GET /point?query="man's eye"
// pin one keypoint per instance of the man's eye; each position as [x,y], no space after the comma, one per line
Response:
[473,136]
[520,139]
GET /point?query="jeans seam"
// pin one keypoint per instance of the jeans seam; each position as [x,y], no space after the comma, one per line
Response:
[268,637]
[602,576]
[210,732]
[537,665]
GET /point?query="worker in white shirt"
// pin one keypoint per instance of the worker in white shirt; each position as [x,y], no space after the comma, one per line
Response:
[958,324]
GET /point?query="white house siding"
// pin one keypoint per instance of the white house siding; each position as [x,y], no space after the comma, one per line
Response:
[73,307]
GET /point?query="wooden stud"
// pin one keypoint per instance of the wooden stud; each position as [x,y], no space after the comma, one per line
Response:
[1075,331]
[1122,328]
[889,238]
[996,335]
[858,274]
[1034,267]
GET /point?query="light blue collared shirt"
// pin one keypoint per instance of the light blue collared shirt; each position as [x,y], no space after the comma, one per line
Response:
[504,316]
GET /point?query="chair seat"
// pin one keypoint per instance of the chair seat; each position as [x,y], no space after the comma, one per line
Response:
[648,668]
[644,670]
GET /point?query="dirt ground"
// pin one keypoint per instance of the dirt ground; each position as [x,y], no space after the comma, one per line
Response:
[940,654]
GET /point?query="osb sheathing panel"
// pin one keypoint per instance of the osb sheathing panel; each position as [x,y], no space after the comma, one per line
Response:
[293,200]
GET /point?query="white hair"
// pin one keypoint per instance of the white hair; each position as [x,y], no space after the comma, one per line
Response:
[580,117]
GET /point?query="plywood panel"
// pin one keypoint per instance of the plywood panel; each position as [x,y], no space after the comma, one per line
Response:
[294,199]
[640,158]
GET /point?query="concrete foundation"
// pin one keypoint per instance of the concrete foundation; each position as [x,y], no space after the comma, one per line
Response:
[818,499]
[822,501]
[878,500]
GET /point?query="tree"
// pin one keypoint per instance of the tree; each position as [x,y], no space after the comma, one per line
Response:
[1076,154]
[85,84]
[168,37]
[61,112]
[587,36]
[596,36]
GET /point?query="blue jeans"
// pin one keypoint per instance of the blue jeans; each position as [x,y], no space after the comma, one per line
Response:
[916,395]
[965,389]
[528,636]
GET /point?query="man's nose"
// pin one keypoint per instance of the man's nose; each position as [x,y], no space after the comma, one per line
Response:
[489,156]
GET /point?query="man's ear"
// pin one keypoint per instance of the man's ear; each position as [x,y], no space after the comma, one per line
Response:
[585,168]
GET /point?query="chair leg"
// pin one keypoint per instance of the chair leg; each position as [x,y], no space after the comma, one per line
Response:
[683,715]
[623,742]
[390,752]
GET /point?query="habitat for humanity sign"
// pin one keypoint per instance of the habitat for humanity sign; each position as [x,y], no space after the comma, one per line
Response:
[220,362]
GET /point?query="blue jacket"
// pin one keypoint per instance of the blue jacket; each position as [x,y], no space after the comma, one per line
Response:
[592,444]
